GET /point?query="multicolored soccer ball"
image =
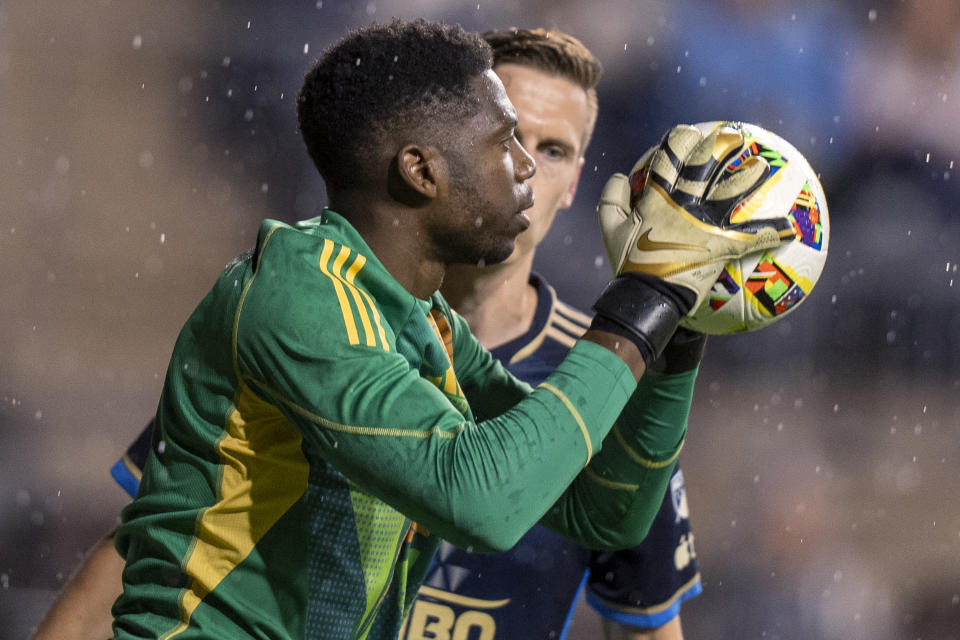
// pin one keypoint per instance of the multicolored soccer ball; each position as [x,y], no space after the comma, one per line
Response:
[763,287]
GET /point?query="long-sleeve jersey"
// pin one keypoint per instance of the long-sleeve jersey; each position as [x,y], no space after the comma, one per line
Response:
[320,428]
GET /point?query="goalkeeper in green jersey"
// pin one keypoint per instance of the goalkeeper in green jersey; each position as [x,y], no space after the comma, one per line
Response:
[326,418]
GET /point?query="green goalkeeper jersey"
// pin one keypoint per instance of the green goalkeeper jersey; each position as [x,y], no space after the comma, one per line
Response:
[321,428]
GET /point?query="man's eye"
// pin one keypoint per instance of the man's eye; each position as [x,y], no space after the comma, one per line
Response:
[555,153]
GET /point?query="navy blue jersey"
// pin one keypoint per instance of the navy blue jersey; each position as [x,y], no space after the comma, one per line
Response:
[530,591]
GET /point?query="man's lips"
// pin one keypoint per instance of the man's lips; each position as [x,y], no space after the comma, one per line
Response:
[527,201]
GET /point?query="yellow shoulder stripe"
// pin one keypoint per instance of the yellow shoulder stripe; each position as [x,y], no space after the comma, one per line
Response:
[343,281]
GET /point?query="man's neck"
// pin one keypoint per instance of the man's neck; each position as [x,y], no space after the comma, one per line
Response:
[498,301]
[392,234]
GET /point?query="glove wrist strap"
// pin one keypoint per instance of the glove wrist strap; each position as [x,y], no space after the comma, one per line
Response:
[642,309]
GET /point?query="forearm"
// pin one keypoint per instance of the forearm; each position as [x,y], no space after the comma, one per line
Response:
[82,610]
[618,495]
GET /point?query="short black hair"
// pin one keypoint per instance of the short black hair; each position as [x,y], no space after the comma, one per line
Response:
[380,78]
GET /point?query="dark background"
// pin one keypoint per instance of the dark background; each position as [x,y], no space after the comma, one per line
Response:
[141,143]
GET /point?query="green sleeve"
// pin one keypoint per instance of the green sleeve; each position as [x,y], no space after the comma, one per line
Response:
[396,436]
[377,419]
[487,384]
[618,495]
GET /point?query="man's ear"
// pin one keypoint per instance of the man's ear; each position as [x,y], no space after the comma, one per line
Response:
[572,189]
[419,171]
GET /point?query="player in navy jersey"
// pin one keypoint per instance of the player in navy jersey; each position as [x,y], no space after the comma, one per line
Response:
[530,591]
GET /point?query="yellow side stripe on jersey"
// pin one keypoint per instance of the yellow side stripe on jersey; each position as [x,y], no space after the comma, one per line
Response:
[645,462]
[573,412]
[263,474]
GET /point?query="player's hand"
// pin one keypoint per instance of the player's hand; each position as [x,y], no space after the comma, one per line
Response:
[671,218]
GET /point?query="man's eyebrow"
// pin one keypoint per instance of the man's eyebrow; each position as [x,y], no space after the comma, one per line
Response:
[507,121]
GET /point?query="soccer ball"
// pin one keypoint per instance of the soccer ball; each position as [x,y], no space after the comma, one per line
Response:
[760,288]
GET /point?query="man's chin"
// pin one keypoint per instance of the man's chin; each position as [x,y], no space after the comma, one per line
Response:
[502,256]
[498,256]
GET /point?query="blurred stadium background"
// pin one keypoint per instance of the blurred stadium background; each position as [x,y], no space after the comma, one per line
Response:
[141,143]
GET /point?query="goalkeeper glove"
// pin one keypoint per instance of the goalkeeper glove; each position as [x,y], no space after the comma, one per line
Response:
[669,243]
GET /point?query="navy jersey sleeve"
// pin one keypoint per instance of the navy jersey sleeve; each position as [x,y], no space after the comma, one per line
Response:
[129,468]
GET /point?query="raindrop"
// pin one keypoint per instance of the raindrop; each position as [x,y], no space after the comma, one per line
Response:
[872,15]
[479,221]
[137,41]
[226,61]
[248,24]
[161,446]
[145,160]
[248,115]
[306,48]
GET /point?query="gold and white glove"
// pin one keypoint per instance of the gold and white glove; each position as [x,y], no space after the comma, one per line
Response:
[668,234]
[671,218]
